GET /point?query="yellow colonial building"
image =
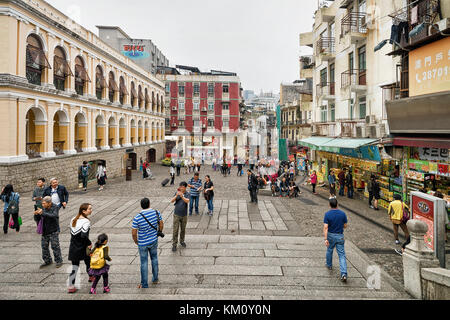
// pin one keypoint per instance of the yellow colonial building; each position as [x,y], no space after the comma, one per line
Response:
[66,97]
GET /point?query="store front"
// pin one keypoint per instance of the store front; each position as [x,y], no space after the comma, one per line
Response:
[426,165]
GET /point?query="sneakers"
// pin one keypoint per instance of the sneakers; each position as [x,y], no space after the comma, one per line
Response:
[174,248]
[344,278]
[93,291]
[397,242]
[71,290]
[329,268]
[155,282]
[372,207]
[59,265]
[183,244]
[398,251]
[44,265]
[106,289]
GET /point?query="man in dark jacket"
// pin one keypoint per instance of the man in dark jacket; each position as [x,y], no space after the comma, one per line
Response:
[349,183]
[252,186]
[58,193]
[50,231]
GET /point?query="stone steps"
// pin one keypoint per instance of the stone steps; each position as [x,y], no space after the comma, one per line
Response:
[204,293]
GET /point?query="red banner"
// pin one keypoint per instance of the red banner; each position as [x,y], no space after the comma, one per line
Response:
[423,210]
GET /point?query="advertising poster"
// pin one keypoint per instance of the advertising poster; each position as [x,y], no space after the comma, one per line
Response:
[423,210]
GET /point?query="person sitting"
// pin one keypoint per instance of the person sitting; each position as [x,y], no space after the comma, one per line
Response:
[293,190]
[284,187]
[274,187]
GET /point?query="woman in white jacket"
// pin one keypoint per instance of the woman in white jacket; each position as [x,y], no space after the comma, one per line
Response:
[101,176]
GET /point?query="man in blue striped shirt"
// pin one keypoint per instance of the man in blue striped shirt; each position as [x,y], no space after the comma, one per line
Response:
[146,238]
[196,186]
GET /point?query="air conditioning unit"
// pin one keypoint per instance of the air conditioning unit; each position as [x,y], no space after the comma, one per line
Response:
[203,125]
[371,132]
[174,124]
[360,132]
[174,108]
[370,119]
[381,130]
[444,24]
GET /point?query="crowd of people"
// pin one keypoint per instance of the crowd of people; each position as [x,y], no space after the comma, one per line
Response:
[148,225]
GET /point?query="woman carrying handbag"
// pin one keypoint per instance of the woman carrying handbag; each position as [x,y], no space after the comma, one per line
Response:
[209,194]
[399,214]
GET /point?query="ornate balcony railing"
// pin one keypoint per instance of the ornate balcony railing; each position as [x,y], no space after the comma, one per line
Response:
[33,149]
[354,22]
[58,147]
[79,145]
[325,45]
[325,88]
[353,77]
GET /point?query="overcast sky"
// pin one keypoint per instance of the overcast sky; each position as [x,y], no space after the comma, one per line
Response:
[257,39]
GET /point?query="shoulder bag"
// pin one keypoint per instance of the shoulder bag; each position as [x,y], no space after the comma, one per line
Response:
[405,213]
[160,234]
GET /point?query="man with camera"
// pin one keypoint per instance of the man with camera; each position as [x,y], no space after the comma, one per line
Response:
[147,226]
[181,201]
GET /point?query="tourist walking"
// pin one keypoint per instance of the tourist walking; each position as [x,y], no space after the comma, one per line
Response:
[38,195]
[332,181]
[84,174]
[395,211]
[178,167]
[239,172]
[145,227]
[335,221]
[50,232]
[99,268]
[313,179]
[172,174]
[195,185]
[252,186]
[209,194]
[58,193]
[10,208]
[214,161]
[349,183]
[145,165]
[341,178]
[229,167]
[374,192]
[79,242]
[180,200]
[101,176]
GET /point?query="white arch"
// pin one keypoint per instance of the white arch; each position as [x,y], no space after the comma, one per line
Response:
[100,115]
[41,38]
[122,122]
[85,64]
[39,112]
[64,48]
[61,111]
[132,123]
[84,117]
[113,118]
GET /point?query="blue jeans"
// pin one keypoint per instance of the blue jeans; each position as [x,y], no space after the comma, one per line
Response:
[342,189]
[210,204]
[191,204]
[350,192]
[143,252]
[337,240]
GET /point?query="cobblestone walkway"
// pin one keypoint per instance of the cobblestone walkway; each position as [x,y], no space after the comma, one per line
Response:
[245,251]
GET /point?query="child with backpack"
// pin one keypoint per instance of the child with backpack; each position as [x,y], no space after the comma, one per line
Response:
[99,254]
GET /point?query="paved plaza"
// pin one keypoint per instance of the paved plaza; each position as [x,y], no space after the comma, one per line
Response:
[272,250]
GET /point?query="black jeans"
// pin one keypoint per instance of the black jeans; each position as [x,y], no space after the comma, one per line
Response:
[314,187]
[173,178]
[254,195]
[6,221]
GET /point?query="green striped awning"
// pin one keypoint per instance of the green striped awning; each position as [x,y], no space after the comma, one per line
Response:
[334,144]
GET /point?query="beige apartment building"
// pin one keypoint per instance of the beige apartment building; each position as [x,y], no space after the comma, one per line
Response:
[351,80]
[66,97]
[296,104]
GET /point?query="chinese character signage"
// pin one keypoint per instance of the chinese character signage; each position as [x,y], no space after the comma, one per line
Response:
[429,68]
[135,51]
[433,154]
